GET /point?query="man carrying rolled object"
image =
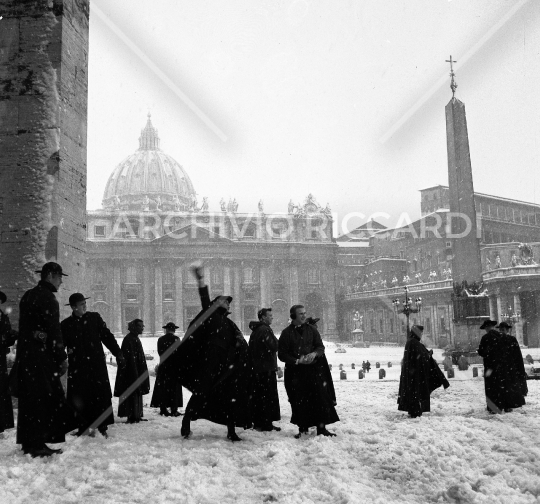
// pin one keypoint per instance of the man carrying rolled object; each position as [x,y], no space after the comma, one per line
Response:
[213,363]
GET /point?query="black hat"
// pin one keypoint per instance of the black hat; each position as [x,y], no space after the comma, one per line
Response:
[504,325]
[51,267]
[170,325]
[219,298]
[76,298]
[488,323]
[3,297]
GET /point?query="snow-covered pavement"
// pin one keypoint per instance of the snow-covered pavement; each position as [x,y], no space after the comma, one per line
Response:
[456,453]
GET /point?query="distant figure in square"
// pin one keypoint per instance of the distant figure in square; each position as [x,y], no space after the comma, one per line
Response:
[135,371]
[7,338]
[167,389]
[420,375]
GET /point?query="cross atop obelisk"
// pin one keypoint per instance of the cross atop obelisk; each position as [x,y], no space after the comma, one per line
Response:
[453,85]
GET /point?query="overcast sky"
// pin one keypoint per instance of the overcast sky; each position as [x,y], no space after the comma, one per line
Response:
[273,100]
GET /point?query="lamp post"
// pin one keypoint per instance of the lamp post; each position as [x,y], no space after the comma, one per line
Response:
[406,307]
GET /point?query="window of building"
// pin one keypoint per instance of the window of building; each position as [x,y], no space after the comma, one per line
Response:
[248,275]
[190,313]
[99,231]
[168,296]
[313,276]
[99,276]
[167,277]
[391,325]
[427,323]
[277,276]
[251,231]
[381,326]
[131,295]
[132,275]
[216,230]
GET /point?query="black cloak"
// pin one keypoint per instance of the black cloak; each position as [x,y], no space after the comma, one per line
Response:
[167,389]
[213,363]
[88,386]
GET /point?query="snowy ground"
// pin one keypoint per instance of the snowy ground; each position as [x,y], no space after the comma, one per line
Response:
[457,453]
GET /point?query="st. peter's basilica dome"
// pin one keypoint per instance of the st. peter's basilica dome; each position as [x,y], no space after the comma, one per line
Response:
[149,179]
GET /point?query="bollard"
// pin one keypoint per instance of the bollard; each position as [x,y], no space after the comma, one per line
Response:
[341,367]
[352,365]
[343,375]
[360,375]
[389,364]
[382,374]
[279,372]
[450,372]
[377,365]
[475,372]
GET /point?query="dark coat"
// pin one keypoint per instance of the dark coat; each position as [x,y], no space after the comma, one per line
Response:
[504,372]
[88,386]
[7,339]
[263,347]
[134,369]
[309,387]
[213,363]
[420,375]
[167,389]
[44,416]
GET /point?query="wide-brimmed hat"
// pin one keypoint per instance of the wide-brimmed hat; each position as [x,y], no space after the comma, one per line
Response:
[504,325]
[223,298]
[170,325]
[3,297]
[76,298]
[417,328]
[488,323]
[51,267]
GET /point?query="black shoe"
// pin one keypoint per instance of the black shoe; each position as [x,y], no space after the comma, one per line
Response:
[508,410]
[143,420]
[324,432]
[185,431]
[164,413]
[57,452]
[176,414]
[233,436]
[277,429]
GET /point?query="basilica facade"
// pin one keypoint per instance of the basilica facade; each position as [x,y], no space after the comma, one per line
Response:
[151,228]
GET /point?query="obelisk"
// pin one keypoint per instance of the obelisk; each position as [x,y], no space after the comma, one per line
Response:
[469,307]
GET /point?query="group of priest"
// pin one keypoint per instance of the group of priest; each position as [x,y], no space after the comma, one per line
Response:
[232,383]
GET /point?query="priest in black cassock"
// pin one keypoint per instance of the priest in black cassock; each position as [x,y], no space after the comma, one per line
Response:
[301,348]
[7,338]
[263,346]
[88,386]
[420,375]
[503,370]
[132,380]
[167,389]
[515,368]
[213,363]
